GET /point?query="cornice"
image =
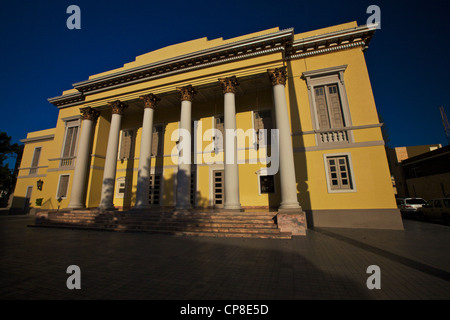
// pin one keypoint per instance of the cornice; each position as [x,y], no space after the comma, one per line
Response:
[221,54]
[329,42]
[280,41]
[41,138]
[67,100]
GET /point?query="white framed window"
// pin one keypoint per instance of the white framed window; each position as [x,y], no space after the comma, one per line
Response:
[339,173]
[70,139]
[330,111]
[63,186]
[69,147]
[35,161]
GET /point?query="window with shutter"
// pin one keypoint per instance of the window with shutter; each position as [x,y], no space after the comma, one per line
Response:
[126,145]
[35,161]
[334,105]
[63,187]
[70,141]
[322,110]
[328,107]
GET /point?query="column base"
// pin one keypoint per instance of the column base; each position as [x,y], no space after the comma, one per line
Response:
[292,220]
[232,207]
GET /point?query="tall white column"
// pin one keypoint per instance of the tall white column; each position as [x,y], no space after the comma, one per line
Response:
[231,170]
[109,173]
[150,102]
[286,156]
[183,195]
[77,198]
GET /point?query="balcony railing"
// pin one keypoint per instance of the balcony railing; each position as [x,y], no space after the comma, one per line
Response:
[333,136]
[67,162]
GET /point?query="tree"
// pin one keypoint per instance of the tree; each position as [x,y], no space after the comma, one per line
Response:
[7,175]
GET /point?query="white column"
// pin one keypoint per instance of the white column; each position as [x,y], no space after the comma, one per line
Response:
[286,156]
[109,173]
[231,170]
[150,102]
[183,196]
[77,198]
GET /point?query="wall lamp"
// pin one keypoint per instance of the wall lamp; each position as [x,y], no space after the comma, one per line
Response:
[40,183]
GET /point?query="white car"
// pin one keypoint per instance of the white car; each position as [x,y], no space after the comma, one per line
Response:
[410,206]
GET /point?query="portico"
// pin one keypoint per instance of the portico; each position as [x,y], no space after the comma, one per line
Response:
[228,86]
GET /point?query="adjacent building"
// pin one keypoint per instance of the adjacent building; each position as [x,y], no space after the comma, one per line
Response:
[272,119]
[427,175]
[396,156]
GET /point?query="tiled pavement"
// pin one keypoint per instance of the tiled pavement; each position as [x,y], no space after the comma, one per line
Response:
[326,264]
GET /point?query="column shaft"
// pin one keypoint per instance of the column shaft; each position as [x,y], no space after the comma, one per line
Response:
[109,173]
[231,169]
[145,154]
[183,193]
[286,154]
[78,194]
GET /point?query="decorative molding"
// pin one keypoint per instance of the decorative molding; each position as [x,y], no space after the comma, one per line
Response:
[279,41]
[326,50]
[229,85]
[335,146]
[187,93]
[28,168]
[117,107]
[278,76]
[89,113]
[150,100]
[367,126]
[36,139]
[324,71]
[67,100]
[329,42]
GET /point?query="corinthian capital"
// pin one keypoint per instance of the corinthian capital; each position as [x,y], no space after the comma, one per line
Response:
[229,84]
[278,76]
[117,107]
[187,93]
[89,113]
[150,100]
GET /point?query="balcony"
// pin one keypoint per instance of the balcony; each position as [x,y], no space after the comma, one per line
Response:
[67,162]
[333,136]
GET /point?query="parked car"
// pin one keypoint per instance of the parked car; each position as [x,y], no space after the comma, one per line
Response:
[409,206]
[436,209]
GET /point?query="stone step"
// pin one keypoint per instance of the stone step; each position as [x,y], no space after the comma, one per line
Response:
[261,235]
[195,223]
[163,219]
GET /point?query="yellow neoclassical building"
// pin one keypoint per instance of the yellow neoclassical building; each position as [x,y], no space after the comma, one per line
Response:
[271,119]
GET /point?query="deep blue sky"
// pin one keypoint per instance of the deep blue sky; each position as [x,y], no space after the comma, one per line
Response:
[408,59]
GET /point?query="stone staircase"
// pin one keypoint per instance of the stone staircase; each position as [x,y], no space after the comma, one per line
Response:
[247,224]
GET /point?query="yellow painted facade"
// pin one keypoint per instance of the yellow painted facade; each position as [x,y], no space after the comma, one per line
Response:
[330,53]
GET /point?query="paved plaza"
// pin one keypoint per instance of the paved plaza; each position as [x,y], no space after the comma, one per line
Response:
[326,264]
